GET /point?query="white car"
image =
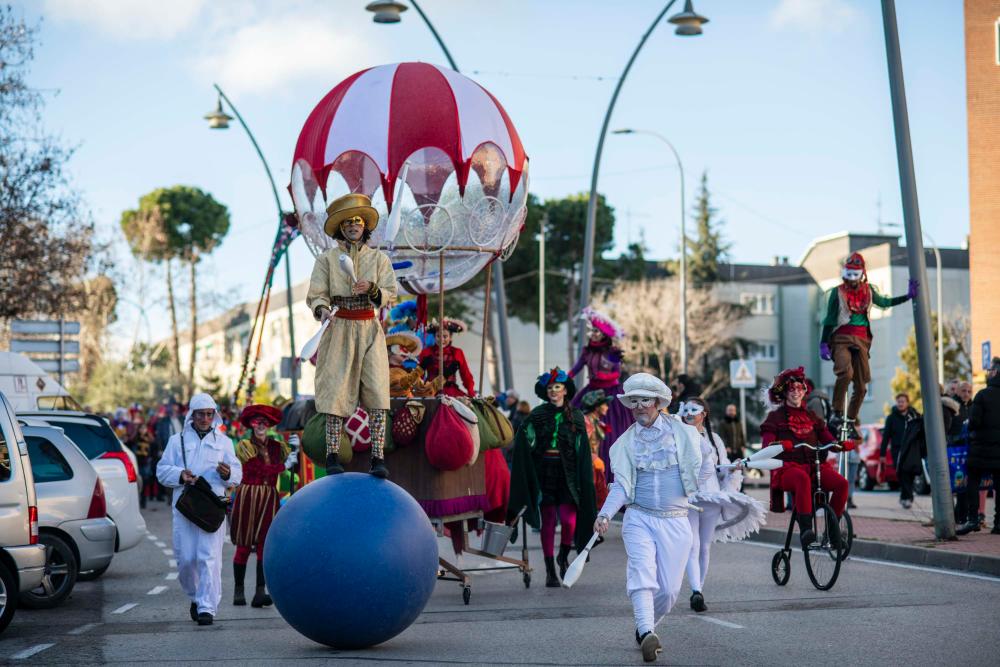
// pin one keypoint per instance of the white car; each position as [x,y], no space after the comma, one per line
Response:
[72,515]
[112,460]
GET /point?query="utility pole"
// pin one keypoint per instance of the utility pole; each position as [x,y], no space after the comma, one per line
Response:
[944,519]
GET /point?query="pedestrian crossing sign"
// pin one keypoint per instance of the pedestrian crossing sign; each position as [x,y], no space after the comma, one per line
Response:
[742,374]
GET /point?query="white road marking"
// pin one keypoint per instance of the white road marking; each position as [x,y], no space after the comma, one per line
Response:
[125,607]
[83,628]
[30,651]
[168,552]
[151,537]
[173,563]
[171,576]
[156,590]
[905,566]
[725,624]
[162,545]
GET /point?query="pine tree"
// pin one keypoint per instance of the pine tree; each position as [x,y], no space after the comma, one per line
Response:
[708,248]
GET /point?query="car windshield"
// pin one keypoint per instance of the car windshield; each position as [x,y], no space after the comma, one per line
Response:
[47,462]
[92,439]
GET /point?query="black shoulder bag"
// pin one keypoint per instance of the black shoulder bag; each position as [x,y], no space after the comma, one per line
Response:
[199,504]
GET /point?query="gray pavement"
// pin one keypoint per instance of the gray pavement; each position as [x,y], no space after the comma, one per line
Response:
[876,614]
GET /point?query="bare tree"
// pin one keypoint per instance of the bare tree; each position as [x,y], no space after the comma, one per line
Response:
[649,312]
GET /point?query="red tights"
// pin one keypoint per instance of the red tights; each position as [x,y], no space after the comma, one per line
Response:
[797,479]
[242,555]
[566,516]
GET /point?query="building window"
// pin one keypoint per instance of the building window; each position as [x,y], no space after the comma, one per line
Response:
[764,351]
[759,304]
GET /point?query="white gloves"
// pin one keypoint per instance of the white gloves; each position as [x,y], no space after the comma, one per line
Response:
[294,441]
[292,460]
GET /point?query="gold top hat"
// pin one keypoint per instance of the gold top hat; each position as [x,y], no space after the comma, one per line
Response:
[349,206]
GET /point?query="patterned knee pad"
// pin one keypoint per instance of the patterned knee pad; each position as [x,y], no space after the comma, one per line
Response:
[376,421]
[334,425]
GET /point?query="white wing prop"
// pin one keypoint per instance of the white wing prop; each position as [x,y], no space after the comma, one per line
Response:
[575,568]
[347,264]
[304,189]
[392,226]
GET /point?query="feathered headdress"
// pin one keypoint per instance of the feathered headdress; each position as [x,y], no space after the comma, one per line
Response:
[602,323]
[774,396]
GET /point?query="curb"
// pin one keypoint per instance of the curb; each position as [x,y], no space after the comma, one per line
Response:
[903,553]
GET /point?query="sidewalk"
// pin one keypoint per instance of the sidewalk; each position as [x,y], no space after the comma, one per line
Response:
[884,530]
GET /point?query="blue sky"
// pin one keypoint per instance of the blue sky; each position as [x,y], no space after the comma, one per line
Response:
[784,102]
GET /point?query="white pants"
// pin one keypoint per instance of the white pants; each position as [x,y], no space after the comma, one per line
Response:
[702,531]
[657,550]
[199,563]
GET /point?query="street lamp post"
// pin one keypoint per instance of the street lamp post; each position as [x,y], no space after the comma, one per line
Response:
[541,293]
[683,269]
[688,25]
[219,120]
[944,518]
[388,11]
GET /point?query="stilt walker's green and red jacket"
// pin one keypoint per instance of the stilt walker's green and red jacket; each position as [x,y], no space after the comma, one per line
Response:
[847,310]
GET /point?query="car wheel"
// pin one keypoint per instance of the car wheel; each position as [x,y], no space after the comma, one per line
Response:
[8,596]
[59,578]
[866,481]
[91,575]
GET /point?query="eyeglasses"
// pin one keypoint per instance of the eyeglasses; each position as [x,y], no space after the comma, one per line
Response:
[640,402]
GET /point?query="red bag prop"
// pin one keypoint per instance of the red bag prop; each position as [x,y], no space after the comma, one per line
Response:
[448,442]
[356,428]
[406,423]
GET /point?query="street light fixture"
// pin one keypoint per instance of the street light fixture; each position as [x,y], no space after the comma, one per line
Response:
[386,11]
[688,24]
[219,120]
[683,267]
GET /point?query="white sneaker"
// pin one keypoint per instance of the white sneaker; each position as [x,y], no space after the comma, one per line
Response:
[650,647]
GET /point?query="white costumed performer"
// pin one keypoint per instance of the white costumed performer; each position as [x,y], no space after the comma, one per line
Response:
[210,454]
[727,515]
[655,464]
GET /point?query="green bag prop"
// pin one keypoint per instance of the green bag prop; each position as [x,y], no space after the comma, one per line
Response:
[489,438]
[314,442]
[502,425]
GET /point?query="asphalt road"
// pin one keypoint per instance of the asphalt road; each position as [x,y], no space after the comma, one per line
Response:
[876,614]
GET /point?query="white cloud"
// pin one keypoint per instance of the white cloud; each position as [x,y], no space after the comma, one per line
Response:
[273,53]
[814,15]
[130,19]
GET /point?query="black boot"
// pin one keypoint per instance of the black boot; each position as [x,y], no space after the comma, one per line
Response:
[806,533]
[239,574]
[194,611]
[698,602]
[333,466]
[551,580]
[833,528]
[378,468]
[562,560]
[970,526]
[260,596]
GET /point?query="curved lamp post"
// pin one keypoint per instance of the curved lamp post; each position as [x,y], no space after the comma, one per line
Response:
[683,281]
[688,24]
[388,11]
[218,119]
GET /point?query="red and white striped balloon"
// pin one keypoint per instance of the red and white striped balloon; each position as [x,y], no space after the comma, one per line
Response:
[442,134]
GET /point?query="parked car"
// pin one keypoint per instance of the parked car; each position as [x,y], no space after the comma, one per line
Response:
[22,558]
[871,474]
[73,522]
[115,464]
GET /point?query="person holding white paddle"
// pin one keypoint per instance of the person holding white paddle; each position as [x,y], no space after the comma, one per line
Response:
[350,281]
[656,463]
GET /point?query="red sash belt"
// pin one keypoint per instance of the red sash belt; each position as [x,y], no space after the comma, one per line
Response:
[359,314]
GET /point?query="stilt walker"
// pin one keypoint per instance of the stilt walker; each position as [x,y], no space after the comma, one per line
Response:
[352,366]
[256,499]
[847,337]
[656,464]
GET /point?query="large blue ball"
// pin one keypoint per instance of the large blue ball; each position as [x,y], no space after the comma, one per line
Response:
[351,560]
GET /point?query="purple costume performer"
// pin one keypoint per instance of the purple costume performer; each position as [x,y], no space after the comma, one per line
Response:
[603,359]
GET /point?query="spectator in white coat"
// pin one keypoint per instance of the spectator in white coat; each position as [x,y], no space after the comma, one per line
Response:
[210,455]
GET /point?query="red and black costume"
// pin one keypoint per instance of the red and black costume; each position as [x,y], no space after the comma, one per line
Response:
[255,501]
[454,362]
[790,424]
